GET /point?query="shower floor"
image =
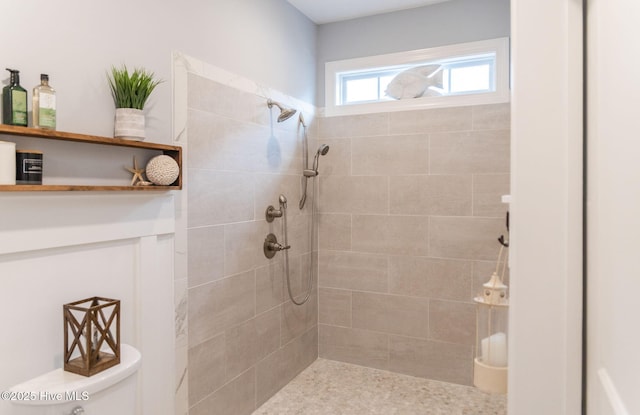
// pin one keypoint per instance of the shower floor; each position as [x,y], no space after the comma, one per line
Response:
[335,388]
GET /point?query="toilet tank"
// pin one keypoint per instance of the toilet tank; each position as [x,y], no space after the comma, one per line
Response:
[112,391]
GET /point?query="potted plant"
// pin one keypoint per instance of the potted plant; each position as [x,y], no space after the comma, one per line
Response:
[130,92]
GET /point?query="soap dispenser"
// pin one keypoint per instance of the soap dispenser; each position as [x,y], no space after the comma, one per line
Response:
[14,101]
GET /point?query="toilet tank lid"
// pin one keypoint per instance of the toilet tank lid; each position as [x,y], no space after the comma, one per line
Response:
[59,386]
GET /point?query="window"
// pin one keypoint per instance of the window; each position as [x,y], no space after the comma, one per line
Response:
[464,74]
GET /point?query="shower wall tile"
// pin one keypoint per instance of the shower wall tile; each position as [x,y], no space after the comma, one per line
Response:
[338,161]
[360,347]
[334,231]
[446,362]
[239,253]
[401,154]
[235,398]
[469,152]
[300,272]
[353,126]
[429,277]
[492,117]
[341,194]
[214,97]
[430,120]
[353,271]
[488,190]
[205,146]
[397,235]
[219,305]
[249,342]
[206,368]
[334,307]
[396,286]
[239,162]
[269,286]
[431,195]
[298,319]
[391,314]
[206,254]
[218,197]
[269,187]
[452,321]
[464,238]
[277,369]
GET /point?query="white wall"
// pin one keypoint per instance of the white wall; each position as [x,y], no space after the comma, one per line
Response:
[80,246]
[455,21]
[76,42]
[546,210]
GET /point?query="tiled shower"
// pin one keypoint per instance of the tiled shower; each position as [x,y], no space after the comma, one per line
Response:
[410,211]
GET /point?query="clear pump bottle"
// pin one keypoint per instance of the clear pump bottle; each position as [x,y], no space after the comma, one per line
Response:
[44,104]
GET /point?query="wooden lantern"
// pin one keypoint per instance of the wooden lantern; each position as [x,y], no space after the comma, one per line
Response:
[91,335]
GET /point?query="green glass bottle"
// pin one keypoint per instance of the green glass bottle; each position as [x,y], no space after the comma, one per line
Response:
[14,101]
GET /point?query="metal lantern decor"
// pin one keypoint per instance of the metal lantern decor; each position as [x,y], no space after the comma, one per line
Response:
[91,335]
[492,306]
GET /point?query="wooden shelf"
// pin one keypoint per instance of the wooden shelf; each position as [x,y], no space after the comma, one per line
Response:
[173,151]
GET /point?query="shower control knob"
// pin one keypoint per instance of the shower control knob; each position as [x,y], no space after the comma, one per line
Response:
[271,246]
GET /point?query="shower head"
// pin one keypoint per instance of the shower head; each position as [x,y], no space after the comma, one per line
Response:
[322,151]
[285,113]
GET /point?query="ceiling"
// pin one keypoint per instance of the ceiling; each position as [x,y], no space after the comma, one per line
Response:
[327,11]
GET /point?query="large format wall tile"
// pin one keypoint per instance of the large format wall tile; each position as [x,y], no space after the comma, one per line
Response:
[235,398]
[488,190]
[391,314]
[430,120]
[431,359]
[398,235]
[492,117]
[356,346]
[403,154]
[217,197]
[239,161]
[206,368]
[429,277]
[341,194]
[465,238]
[334,307]
[353,126]
[431,195]
[249,342]
[452,321]
[397,285]
[353,270]
[219,305]
[206,254]
[469,152]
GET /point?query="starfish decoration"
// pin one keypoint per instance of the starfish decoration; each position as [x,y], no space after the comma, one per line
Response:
[137,173]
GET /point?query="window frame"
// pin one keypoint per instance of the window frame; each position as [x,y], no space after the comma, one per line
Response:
[499,46]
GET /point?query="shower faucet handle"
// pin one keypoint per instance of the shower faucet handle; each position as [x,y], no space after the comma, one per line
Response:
[271,246]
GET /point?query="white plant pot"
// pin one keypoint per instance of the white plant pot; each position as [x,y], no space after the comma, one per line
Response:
[129,124]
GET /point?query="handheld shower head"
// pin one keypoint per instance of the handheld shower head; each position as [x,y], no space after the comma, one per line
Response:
[285,113]
[322,151]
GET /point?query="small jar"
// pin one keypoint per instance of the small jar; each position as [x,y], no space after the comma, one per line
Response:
[28,167]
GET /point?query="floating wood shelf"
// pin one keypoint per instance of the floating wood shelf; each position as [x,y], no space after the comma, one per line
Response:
[173,151]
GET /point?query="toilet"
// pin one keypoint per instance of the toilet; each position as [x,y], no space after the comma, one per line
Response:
[112,391]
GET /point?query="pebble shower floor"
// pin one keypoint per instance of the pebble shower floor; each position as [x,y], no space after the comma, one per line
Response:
[335,388]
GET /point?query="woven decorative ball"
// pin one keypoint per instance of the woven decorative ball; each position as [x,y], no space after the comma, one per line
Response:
[162,170]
